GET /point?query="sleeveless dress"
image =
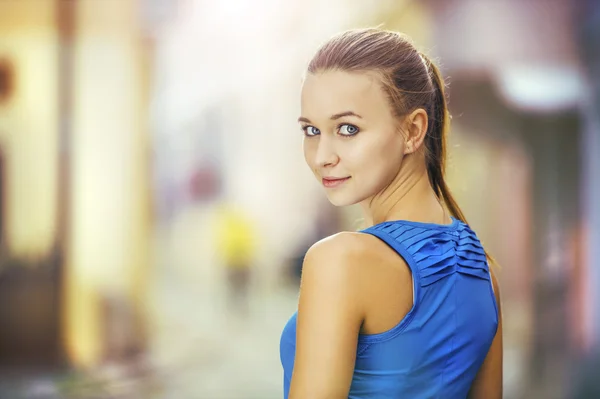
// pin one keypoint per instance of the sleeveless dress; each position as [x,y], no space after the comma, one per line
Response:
[436,350]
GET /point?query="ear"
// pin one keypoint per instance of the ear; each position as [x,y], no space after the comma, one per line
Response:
[416,128]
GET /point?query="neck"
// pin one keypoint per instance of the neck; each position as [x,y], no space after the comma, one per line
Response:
[408,197]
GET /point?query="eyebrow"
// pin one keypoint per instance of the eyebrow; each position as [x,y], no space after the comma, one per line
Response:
[333,117]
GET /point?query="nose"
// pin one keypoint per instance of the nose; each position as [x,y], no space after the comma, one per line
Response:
[326,153]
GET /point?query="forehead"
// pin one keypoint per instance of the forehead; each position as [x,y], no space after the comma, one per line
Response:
[330,92]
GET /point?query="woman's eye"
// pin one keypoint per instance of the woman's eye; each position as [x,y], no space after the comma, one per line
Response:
[348,130]
[311,131]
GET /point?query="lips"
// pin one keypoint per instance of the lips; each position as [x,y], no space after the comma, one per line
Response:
[331,182]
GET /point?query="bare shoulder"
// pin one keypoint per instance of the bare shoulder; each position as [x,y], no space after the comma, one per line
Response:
[345,252]
[363,272]
[338,259]
[345,243]
[359,261]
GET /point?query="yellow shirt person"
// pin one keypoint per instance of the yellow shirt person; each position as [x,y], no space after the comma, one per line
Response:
[235,237]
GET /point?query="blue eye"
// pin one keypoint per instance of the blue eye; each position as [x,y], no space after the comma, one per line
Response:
[311,131]
[348,130]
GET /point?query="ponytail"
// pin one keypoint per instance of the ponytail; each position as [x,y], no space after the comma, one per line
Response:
[436,145]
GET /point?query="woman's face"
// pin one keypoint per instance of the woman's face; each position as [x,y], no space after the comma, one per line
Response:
[352,142]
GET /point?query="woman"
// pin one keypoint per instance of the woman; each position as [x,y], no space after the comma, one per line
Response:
[408,307]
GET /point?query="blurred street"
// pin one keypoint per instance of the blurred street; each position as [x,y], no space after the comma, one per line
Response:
[217,353]
[155,205]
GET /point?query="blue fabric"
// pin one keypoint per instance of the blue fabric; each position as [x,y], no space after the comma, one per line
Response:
[437,349]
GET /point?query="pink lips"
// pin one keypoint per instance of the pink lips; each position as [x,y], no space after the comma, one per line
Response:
[332,182]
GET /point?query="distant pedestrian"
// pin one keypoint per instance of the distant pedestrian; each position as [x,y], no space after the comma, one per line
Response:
[236,246]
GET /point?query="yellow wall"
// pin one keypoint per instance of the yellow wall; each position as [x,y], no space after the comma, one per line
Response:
[109,231]
[29,125]
[108,253]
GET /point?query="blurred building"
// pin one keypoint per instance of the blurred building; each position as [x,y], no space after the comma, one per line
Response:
[30,267]
[588,15]
[75,187]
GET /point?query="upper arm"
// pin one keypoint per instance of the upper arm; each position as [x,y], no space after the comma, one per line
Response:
[330,314]
[488,382]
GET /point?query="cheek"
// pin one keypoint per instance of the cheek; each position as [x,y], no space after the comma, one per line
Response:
[380,151]
[380,160]
[309,149]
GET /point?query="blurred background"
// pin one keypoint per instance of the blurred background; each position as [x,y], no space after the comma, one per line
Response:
[155,207]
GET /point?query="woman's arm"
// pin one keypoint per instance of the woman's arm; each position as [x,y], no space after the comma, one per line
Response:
[330,314]
[488,382]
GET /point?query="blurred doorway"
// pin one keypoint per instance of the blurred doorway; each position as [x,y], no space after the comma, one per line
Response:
[29,303]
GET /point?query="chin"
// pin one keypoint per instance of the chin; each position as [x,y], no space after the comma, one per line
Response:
[339,199]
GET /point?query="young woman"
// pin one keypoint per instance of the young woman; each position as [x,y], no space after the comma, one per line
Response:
[407,308]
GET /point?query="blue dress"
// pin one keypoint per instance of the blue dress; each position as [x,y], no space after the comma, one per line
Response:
[438,347]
